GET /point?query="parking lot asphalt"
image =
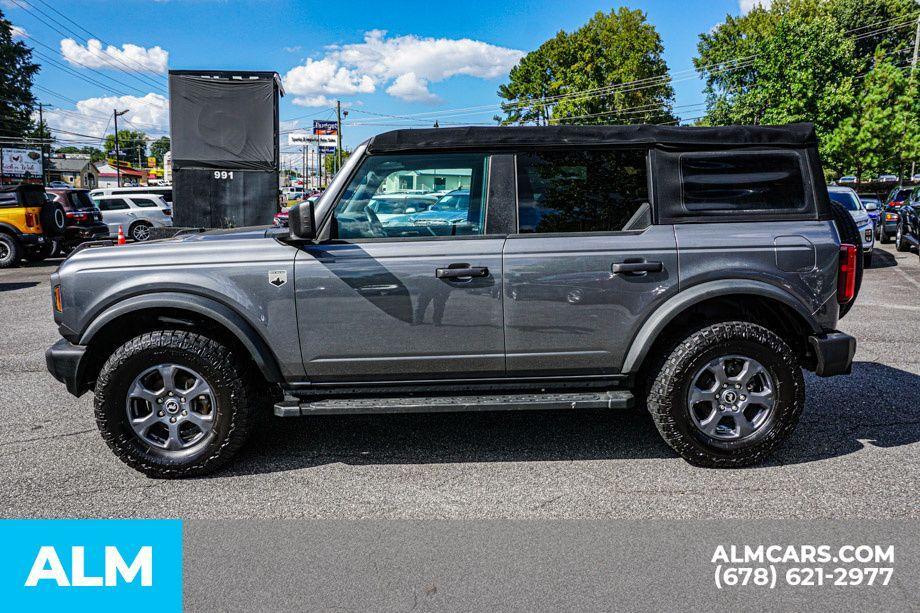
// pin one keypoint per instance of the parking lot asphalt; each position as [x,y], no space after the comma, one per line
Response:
[856,453]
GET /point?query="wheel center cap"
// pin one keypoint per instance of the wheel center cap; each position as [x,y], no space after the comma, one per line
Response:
[729,397]
[171,406]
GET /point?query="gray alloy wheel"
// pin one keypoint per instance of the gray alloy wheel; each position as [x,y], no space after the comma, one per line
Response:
[9,251]
[731,397]
[171,407]
[140,231]
[5,252]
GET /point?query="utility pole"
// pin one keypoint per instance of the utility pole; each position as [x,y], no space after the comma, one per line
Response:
[117,114]
[913,68]
[41,136]
[303,171]
[338,134]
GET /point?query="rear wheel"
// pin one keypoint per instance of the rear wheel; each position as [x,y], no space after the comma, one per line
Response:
[882,237]
[10,251]
[140,231]
[867,260]
[727,395]
[175,404]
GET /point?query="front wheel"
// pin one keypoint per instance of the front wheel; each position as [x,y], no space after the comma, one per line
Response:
[882,237]
[10,251]
[727,395]
[172,403]
[900,241]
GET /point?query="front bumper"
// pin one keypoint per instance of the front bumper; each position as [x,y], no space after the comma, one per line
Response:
[66,363]
[833,353]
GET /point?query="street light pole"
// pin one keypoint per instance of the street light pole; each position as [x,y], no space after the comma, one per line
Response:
[913,68]
[338,134]
[117,114]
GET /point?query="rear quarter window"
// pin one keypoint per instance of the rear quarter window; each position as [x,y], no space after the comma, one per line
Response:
[733,185]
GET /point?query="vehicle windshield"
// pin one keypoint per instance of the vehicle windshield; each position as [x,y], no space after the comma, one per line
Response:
[847,199]
[453,202]
[899,195]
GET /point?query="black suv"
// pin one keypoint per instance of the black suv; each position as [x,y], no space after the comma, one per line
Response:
[83,219]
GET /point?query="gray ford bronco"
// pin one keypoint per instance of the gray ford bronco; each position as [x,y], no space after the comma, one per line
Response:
[691,271]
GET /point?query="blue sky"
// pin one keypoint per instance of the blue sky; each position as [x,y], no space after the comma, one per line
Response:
[421,58]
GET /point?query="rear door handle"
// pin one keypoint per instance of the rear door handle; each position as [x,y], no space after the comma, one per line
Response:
[459,271]
[628,268]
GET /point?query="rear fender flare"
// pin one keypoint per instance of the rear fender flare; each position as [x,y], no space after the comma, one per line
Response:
[685,299]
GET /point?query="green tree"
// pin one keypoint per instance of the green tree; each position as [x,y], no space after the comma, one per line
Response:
[614,48]
[16,73]
[804,60]
[132,145]
[159,147]
[95,154]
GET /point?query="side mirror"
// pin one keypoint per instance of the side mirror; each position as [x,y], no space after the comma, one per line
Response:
[410,210]
[871,206]
[302,221]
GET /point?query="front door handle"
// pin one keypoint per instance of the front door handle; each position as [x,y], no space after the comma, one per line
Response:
[630,268]
[460,271]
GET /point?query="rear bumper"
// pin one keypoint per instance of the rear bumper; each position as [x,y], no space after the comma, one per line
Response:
[66,363]
[833,353]
[74,235]
[31,240]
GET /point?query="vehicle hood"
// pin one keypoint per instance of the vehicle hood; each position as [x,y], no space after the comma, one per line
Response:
[238,244]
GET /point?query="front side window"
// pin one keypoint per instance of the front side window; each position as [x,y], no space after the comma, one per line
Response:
[583,191]
[393,196]
[742,182]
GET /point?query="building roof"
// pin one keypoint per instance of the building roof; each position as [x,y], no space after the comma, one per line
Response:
[69,164]
[498,137]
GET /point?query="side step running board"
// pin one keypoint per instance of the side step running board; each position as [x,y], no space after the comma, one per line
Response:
[503,402]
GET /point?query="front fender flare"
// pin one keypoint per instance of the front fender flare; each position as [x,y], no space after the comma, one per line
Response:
[258,349]
[677,304]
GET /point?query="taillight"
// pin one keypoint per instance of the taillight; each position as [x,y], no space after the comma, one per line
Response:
[891,216]
[896,203]
[167,212]
[30,220]
[58,301]
[846,274]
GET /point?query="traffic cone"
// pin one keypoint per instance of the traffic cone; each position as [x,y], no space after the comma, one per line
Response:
[121,236]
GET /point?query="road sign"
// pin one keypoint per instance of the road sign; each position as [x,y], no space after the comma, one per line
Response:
[325,126]
[304,138]
[326,150]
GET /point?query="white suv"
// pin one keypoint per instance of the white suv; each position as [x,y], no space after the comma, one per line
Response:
[136,214]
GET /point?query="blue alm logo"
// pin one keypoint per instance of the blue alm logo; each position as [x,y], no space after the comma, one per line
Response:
[97,565]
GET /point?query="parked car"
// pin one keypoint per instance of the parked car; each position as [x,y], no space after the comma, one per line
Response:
[847,179]
[135,214]
[907,235]
[890,213]
[165,191]
[59,185]
[887,178]
[450,209]
[873,207]
[706,296]
[28,223]
[83,218]
[397,205]
[848,198]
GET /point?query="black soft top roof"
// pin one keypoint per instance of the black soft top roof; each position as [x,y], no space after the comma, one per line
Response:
[472,137]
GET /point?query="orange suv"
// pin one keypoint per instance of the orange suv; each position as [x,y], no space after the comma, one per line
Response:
[28,221]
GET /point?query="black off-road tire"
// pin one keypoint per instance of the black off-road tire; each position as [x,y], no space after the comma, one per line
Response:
[667,395]
[849,233]
[867,260]
[238,397]
[10,251]
[882,237]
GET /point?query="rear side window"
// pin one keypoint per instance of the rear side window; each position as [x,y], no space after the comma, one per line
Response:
[741,182]
[112,204]
[583,191]
[144,202]
[80,200]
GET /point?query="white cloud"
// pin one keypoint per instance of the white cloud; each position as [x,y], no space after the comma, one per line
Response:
[411,88]
[129,57]
[407,63]
[293,49]
[746,6]
[314,101]
[148,113]
[18,32]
